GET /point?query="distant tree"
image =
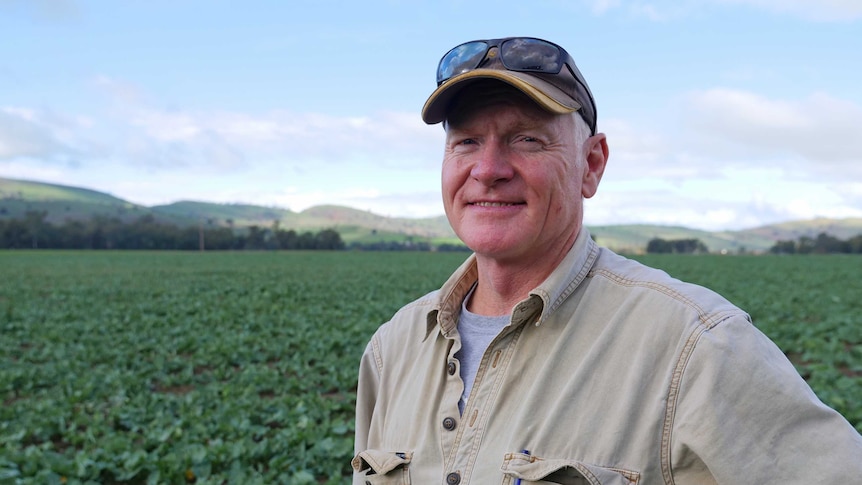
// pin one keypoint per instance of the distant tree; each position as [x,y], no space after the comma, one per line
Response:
[805,245]
[220,238]
[306,240]
[73,235]
[676,246]
[36,226]
[286,239]
[689,246]
[256,238]
[328,239]
[446,247]
[824,243]
[103,232]
[783,247]
[659,246]
[147,232]
[13,234]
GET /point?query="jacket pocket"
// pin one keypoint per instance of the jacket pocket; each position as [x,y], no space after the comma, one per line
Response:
[383,467]
[533,469]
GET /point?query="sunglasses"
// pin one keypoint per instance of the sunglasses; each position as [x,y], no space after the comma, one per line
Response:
[519,54]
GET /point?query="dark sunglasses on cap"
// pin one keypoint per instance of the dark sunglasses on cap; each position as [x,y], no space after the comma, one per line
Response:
[522,54]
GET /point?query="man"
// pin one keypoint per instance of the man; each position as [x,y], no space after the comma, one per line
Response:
[547,359]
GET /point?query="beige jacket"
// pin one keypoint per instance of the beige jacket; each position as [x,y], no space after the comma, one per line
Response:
[610,372]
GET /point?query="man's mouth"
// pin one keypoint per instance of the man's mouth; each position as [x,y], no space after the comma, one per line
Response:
[496,204]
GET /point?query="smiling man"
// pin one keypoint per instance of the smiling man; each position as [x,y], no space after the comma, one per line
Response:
[548,359]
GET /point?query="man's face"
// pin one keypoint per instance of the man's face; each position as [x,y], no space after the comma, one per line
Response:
[513,179]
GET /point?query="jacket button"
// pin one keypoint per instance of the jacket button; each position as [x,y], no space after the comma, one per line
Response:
[453,478]
[450,368]
[449,424]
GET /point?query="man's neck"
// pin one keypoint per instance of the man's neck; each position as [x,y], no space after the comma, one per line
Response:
[504,284]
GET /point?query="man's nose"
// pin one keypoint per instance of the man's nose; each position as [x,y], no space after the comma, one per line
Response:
[492,165]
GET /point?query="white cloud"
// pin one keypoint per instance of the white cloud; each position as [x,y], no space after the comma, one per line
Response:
[118,90]
[640,153]
[819,129]
[26,170]
[164,139]
[739,161]
[296,139]
[168,127]
[29,133]
[708,209]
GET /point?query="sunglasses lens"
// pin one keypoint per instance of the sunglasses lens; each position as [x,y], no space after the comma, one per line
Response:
[461,59]
[531,55]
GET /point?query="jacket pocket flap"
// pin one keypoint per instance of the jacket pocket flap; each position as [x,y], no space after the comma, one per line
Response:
[564,471]
[381,462]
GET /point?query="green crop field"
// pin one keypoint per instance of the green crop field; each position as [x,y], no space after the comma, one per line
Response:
[168,367]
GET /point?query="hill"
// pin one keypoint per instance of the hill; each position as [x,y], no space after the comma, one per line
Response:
[65,203]
[840,228]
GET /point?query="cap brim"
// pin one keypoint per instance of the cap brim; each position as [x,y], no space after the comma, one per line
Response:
[545,94]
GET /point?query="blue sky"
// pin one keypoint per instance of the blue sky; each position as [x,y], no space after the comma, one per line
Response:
[720,114]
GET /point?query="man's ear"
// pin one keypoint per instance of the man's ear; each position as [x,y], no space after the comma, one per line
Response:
[596,158]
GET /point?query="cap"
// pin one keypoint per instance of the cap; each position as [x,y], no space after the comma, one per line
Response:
[561,93]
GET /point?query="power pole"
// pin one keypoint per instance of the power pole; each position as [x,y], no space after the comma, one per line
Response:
[201,234]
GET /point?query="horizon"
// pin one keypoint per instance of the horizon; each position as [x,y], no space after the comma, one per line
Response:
[276,207]
[720,114]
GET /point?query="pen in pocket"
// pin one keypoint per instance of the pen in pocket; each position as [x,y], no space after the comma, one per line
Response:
[518,480]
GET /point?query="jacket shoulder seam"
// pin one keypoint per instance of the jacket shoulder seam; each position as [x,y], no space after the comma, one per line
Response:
[707,319]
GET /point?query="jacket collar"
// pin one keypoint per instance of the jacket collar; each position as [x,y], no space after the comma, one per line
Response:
[539,304]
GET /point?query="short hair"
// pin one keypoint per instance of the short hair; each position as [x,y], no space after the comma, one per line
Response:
[582,131]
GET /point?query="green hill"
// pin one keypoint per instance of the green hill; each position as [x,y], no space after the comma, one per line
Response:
[36,191]
[338,216]
[793,230]
[64,203]
[227,215]
[633,238]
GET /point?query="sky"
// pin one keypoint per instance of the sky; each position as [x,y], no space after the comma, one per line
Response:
[719,114]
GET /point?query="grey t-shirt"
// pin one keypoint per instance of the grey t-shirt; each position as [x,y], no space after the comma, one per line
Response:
[477,332]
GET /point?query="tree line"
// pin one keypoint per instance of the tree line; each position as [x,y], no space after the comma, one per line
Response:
[822,244]
[146,232]
[103,232]
[676,246]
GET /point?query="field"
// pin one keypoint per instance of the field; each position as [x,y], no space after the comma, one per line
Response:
[149,367]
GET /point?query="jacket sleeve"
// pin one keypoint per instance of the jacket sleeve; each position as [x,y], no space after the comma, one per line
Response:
[366,398]
[744,415]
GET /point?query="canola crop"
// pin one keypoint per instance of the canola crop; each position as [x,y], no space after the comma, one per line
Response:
[240,367]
